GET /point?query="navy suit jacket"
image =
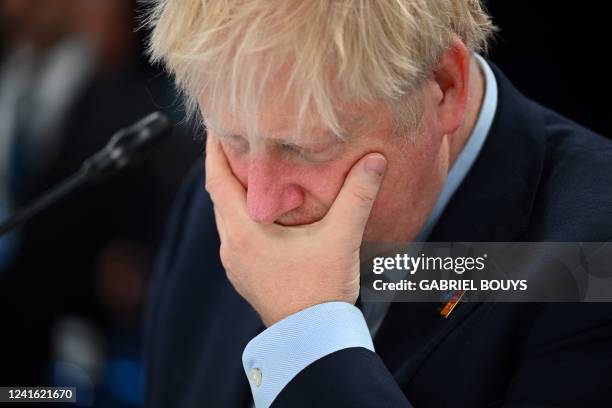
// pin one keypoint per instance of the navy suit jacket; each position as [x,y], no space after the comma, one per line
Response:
[539,177]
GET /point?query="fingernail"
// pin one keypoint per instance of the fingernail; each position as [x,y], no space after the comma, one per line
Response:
[376,165]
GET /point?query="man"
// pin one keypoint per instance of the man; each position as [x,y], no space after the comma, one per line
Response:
[334,122]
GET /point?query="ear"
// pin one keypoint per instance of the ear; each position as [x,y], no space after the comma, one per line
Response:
[451,76]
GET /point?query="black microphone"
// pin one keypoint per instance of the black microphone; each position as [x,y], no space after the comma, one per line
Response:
[128,146]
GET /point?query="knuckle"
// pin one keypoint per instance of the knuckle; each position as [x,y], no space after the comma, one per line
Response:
[364,195]
[211,184]
[231,277]
[235,244]
[224,256]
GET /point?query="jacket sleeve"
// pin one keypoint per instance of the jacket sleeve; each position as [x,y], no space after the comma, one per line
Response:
[565,361]
[352,377]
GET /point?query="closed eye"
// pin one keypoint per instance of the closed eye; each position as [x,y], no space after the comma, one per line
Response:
[313,155]
[292,148]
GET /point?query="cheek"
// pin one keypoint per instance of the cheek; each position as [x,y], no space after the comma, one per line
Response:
[412,184]
[323,182]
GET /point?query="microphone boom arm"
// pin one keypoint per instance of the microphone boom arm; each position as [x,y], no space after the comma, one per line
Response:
[127,146]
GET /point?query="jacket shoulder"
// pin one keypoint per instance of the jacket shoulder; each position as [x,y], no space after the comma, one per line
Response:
[574,198]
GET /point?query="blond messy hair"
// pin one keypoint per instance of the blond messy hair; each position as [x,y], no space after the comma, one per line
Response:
[327,51]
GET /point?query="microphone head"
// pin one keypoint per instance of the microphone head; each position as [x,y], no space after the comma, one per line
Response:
[130,145]
[135,142]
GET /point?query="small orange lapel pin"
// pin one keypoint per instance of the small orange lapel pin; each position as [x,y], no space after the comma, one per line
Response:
[452,303]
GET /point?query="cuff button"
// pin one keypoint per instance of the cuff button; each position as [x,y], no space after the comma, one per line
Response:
[255,376]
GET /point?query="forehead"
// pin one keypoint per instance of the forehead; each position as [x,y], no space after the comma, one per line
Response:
[280,120]
[274,105]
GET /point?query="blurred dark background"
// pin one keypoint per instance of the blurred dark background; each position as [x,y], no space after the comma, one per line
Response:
[558,53]
[73,281]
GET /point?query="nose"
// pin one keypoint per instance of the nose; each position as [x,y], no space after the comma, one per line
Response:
[271,190]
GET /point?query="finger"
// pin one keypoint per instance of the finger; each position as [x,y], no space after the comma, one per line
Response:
[350,211]
[220,225]
[225,190]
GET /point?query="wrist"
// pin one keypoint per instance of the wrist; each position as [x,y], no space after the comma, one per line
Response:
[276,314]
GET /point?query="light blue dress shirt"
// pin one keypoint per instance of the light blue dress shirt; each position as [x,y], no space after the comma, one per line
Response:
[274,357]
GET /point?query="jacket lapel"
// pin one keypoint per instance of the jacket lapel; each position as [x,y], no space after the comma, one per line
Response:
[493,204]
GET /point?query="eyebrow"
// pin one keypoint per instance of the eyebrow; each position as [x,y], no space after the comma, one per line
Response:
[327,133]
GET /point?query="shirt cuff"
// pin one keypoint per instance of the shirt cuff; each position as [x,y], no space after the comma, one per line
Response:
[274,357]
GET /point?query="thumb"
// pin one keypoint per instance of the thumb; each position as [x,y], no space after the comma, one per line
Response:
[350,211]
